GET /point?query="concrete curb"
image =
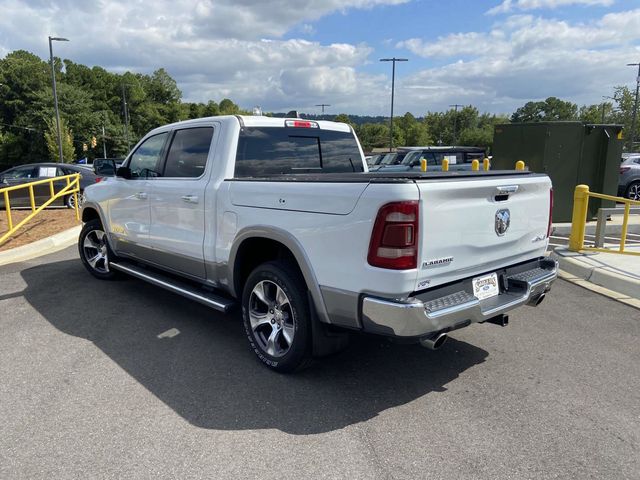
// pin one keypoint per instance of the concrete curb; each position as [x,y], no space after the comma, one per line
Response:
[626,286]
[564,229]
[47,245]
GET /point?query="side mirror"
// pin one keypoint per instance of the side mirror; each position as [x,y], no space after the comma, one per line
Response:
[124,172]
[104,166]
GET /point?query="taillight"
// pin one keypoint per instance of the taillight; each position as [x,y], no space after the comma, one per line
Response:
[624,169]
[550,212]
[98,179]
[394,240]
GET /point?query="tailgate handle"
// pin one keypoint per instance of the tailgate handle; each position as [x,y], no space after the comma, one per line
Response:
[504,192]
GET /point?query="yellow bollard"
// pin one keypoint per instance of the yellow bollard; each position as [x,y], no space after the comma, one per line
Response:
[445,165]
[579,217]
[485,164]
[519,165]
[475,165]
[423,164]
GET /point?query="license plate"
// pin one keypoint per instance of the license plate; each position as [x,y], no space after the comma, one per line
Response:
[485,286]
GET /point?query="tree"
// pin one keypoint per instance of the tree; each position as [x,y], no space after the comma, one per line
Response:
[344,118]
[552,109]
[51,137]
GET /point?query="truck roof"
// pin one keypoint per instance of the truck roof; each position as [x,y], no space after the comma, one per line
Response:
[258,121]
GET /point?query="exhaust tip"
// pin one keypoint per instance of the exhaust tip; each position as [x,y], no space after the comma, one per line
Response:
[540,299]
[435,342]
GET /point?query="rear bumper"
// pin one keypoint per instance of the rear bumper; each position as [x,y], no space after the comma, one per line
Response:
[454,306]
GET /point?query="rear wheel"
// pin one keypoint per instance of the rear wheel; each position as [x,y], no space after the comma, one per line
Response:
[94,250]
[276,316]
[633,191]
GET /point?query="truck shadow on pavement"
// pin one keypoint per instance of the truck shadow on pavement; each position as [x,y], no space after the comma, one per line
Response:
[197,361]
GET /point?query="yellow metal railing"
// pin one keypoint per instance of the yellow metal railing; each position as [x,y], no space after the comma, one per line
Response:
[72,187]
[579,220]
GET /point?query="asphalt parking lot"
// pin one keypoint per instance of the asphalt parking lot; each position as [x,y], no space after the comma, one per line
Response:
[122,380]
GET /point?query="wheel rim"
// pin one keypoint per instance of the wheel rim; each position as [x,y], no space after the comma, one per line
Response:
[271,318]
[80,200]
[634,192]
[95,251]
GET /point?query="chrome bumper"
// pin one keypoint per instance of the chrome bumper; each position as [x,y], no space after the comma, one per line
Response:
[442,309]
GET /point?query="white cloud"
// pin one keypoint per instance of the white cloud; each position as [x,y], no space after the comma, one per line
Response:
[508,6]
[525,58]
[213,48]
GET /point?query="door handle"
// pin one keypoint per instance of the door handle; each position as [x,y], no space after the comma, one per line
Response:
[141,195]
[190,198]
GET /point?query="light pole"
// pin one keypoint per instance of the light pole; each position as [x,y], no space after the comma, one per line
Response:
[455,122]
[393,84]
[323,105]
[55,93]
[635,105]
[604,97]
[126,117]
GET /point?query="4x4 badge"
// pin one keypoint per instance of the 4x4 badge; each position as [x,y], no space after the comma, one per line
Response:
[503,220]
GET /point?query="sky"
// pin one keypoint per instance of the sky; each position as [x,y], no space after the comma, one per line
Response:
[294,54]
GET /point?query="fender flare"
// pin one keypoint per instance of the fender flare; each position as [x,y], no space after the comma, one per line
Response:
[295,247]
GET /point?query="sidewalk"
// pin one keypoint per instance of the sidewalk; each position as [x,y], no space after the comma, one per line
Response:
[619,274]
[614,226]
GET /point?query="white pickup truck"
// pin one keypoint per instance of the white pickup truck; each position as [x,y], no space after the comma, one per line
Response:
[281,217]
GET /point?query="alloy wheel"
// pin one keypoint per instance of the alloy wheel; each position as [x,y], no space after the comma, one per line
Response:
[634,192]
[271,318]
[96,251]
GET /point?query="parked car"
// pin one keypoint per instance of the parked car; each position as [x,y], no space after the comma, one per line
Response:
[375,159]
[460,158]
[629,180]
[389,159]
[41,171]
[280,217]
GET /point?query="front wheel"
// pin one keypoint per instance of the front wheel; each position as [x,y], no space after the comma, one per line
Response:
[70,201]
[94,250]
[276,316]
[633,191]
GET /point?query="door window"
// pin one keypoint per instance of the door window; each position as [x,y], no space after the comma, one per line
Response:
[144,161]
[188,153]
[21,173]
[49,172]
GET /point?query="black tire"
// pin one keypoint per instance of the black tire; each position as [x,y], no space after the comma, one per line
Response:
[633,191]
[288,352]
[68,200]
[96,258]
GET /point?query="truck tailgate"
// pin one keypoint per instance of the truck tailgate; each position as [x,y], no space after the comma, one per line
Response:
[473,226]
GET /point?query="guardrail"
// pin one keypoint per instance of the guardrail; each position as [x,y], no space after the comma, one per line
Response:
[71,188]
[579,221]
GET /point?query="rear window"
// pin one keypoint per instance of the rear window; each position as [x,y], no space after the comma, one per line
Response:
[273,151]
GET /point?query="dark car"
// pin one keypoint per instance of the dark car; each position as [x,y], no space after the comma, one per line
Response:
[629,180]
[460,158]
[389,160]
[41,171]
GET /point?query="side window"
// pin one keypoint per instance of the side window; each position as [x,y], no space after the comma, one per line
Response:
[22,172]
[188,153]
[144,161]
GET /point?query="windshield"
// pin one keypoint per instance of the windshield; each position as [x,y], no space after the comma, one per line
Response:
[388,158]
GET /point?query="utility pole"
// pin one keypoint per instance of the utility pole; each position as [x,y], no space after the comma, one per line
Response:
[455,122]
[55,93]
[104,138]
[393,84]
[126,117]
[604,104]
[323,105]
[635,106]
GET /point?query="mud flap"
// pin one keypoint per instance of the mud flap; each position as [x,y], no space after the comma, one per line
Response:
[325,341]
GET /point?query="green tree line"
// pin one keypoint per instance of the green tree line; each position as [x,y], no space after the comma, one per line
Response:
[89,99]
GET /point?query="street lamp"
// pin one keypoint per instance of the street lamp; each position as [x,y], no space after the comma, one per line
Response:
[393,81]
[635,105]
[55,93]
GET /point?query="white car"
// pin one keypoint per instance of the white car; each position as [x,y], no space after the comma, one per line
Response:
[281,217]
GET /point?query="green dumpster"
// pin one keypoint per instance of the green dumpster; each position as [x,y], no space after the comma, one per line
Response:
[571,153]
